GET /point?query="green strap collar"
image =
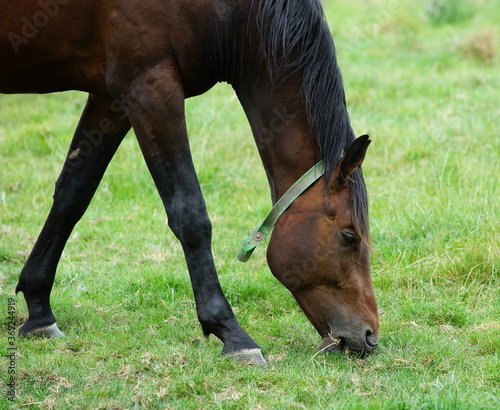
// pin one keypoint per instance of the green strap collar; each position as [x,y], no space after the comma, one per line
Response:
[266,226]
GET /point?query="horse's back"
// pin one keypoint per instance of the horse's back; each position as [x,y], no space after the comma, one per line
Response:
[54,45]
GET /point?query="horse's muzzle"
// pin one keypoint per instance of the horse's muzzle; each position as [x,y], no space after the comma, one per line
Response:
[356,345]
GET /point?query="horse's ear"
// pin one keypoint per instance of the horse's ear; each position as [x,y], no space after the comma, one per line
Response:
[352,160]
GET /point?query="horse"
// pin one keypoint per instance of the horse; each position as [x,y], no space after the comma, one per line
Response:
[138,62]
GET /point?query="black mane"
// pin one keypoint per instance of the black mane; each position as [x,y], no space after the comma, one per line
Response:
[295,36]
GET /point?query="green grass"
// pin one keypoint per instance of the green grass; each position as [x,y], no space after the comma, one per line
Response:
[423,89]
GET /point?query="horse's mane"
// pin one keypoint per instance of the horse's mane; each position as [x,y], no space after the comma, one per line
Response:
[295,36]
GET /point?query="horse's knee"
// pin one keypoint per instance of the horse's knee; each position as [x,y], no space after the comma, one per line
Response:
[69,201]
[191,226]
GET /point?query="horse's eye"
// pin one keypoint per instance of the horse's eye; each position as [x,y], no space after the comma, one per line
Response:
[350,239]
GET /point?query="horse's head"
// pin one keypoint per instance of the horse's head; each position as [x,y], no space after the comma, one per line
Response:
[319,252]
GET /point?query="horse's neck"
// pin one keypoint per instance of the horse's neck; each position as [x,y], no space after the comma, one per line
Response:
[281,130]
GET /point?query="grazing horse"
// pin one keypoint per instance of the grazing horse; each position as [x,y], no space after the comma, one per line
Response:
[139,61]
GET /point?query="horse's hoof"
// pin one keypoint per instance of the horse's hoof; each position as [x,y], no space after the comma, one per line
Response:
[250,356]
[45,331]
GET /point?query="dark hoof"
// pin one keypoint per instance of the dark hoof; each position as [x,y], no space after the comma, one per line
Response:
[249,356]
[45,331]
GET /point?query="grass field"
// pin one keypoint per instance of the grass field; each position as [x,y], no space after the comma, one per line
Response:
[422,78]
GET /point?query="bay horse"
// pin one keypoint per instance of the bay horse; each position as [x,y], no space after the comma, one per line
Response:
[138,62]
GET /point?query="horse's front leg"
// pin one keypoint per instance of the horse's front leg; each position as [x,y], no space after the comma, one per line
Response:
[157,117]
[100,131]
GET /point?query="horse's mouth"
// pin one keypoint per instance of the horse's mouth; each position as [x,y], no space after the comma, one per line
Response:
[333,345]
[341,345]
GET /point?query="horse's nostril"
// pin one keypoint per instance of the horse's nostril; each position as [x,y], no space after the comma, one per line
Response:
[371,339]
